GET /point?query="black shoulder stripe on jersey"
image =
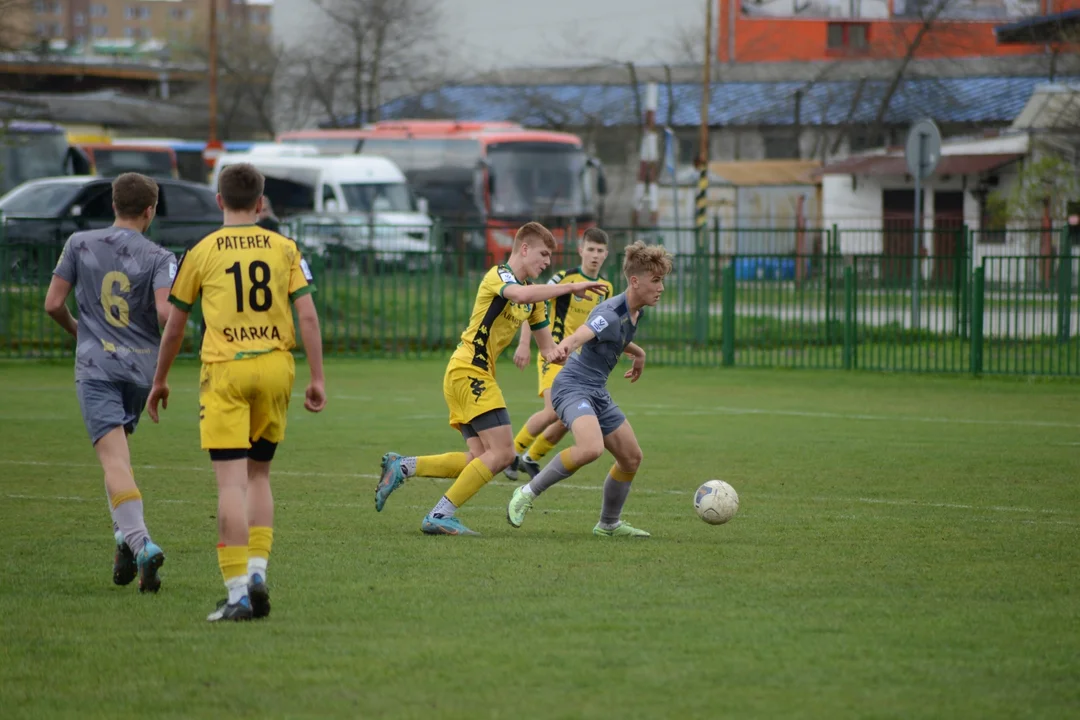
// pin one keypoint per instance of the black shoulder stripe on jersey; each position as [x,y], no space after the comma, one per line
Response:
[622,308]
[558,322]
[483,333]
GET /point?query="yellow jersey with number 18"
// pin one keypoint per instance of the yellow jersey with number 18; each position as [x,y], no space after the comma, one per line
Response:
[247,277]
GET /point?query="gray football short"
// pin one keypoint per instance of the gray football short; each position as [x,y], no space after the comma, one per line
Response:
[108,404]
[570,403]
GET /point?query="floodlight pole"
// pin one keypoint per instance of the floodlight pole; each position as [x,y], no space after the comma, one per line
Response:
[213,71]
[917,239]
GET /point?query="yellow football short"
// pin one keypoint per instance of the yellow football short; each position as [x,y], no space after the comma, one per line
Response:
[469,392]
[241,401]
[547,372]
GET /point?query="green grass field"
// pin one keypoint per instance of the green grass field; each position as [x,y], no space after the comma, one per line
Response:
[905,547]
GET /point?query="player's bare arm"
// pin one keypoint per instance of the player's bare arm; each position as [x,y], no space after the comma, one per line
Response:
[638,353]
[161,303]
[171,340]
[56,305]
[524,294]
[547,345]
[315,396]
[571,343]
[523,354]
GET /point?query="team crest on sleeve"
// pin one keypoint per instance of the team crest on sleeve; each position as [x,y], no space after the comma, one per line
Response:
[172,271]
[306,270]
[507,276]
[598,324]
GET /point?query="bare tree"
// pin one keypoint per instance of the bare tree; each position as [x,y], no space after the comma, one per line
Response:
[251,69]
[366,52]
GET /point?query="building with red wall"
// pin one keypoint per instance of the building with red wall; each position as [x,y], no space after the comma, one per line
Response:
[809,30]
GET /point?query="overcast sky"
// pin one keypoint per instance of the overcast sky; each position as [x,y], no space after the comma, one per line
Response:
[494,34]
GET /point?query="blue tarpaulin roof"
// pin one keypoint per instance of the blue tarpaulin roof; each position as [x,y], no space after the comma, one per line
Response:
[947,100]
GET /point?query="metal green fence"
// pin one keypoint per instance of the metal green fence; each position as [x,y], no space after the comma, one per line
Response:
[817,309]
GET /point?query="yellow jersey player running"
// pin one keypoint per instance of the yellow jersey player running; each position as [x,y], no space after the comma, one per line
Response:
[247,277]
[544,430]
[504,301]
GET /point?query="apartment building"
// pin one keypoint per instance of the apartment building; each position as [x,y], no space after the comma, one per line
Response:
[84,22]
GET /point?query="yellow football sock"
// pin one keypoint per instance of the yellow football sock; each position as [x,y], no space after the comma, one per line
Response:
[233,561]
[125,496]
[475,476]
[621,476]
[567,461]
[447,465]
[524,439]
[540,447]
[260,539]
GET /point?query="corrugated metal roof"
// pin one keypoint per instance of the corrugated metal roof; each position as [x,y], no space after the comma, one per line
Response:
[896,165]
[954,100]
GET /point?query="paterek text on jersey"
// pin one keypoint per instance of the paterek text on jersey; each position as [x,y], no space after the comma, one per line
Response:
[115,273]
[495,320]
[247,278]
[567,312]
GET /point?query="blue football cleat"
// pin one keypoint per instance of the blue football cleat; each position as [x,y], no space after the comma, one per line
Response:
[391,478]
[150,561]
[444,526]
[259,595]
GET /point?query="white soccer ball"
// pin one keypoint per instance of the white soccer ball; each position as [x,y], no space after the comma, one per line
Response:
[716,502]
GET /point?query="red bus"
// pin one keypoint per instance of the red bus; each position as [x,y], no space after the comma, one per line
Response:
[484,178]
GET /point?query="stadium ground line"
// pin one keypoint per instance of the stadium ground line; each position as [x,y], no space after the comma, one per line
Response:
[575,511]
[589,488]
[665,410]
[720,410]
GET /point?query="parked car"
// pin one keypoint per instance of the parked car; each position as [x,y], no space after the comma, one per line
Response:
[389,242]
[39,216]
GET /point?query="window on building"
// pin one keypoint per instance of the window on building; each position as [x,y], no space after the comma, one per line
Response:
[130,13]
[857,37]
[99,11]
[54,7]
[144,13]
[100,31]
[843,37]
[39,6]
[781,145]
[42,29]
[834,38]
[80,19]
[145,33]
[129,32]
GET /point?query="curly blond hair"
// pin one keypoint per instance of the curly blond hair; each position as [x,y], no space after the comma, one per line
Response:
[642,259]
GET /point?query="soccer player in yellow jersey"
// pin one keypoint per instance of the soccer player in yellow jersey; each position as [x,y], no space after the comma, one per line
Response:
[544,430]
[504,301]
[247,277]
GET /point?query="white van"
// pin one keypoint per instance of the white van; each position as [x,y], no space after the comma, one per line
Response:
[352,183]
[358,193]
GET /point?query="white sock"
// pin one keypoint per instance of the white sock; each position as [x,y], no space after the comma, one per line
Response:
[445,508]
[408,466]
[528,490]
[237,588]
[119,537]
[257,566]
[527,457]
